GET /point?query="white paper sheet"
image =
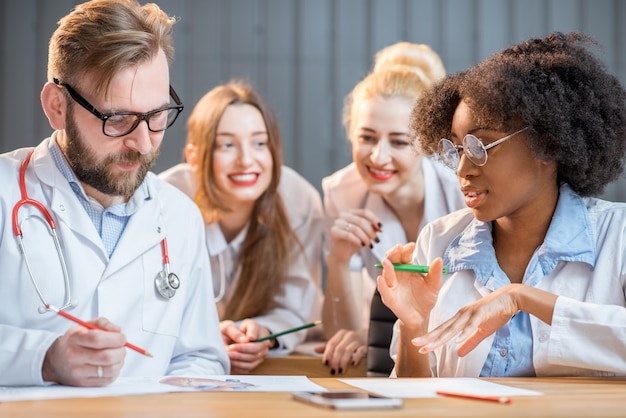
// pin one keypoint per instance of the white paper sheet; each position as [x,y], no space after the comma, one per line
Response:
[141,386]
[427,387]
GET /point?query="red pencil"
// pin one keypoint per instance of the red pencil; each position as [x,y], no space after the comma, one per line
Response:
[498,399]
[92,326]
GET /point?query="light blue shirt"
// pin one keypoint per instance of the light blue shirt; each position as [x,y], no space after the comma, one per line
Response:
[109,222]
[511,353]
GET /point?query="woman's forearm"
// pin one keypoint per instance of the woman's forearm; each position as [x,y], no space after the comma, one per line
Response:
[535,301]
[342,299]
[409,361]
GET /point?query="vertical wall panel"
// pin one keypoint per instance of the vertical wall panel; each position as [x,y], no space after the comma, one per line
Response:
[174,139]
[197,39]
[564,15]
[278,85]
[597,19]
[386,23]
[313,80]
[423,22]
[530,19]
[616,61]
[304,56]
[20,86]
[619,23]
[244,38]
[351,62]
[201,48]
[459,41]
[494,34]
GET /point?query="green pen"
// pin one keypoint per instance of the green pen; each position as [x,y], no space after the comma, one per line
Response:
[412,268]
[289,331]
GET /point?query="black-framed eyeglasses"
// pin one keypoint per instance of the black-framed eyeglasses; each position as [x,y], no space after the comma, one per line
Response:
[472,147]
[122,123]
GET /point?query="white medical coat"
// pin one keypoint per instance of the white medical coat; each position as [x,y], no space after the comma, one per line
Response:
[182,333]
[300,299]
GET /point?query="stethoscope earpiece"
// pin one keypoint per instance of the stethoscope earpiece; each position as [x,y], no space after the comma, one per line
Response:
[70,305]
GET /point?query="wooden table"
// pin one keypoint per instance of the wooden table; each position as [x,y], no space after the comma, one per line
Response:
[303,365]
[563,397]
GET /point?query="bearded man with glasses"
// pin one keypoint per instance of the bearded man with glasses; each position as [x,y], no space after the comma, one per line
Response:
[127,250]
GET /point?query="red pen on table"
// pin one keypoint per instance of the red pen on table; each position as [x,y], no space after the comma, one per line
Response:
[92,326]
[498,399]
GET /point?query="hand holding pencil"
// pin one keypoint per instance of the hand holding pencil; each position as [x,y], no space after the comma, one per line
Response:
[91,354]
[413,268]
[409,296]
[89,325]
[248,343]
[287,331]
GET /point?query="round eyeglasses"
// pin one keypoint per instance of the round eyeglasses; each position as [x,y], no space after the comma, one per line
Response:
[122,123]
[472,147]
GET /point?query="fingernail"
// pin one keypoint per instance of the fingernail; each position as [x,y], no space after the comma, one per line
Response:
[377,240]
[426,349]
[325,362]
[332,371]
[380,225]
[354,362]
[371,245]
[362,244]
[340,370]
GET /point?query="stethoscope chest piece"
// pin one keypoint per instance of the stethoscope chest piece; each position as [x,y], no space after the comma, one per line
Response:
[166,284]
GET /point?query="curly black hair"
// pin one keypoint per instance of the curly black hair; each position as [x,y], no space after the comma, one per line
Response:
[574,109]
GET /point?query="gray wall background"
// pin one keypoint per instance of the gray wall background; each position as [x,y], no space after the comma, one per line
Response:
[304,56]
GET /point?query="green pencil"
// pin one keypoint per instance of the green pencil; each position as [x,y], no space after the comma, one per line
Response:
[288,331]
[413,268]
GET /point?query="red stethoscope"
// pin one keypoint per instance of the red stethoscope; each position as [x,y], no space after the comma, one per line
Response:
[166,283]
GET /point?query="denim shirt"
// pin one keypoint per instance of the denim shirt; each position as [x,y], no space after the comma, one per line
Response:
[511,353]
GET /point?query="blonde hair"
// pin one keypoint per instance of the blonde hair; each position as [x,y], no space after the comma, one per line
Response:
[421,57]
[100,37]
[403,70]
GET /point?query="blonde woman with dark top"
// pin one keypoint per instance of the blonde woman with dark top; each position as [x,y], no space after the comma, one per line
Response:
[384,197]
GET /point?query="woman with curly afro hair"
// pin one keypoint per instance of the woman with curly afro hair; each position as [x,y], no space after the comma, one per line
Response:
[536,266]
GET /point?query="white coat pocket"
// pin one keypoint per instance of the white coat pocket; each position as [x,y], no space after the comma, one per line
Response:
[162,315]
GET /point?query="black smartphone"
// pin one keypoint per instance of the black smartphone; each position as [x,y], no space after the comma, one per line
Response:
[347,399]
